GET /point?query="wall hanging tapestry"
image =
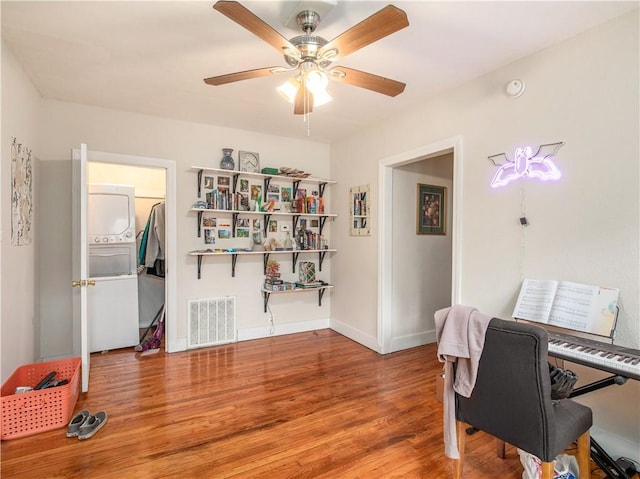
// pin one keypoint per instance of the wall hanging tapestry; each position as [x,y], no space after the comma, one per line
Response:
[21,194]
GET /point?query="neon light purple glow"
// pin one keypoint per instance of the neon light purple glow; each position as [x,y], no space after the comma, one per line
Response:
[540,167]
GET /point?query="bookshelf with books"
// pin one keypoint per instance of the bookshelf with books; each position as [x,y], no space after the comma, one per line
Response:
[254,210]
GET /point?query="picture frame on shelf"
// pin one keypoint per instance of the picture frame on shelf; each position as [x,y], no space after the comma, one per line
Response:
[249,161]
[431,210]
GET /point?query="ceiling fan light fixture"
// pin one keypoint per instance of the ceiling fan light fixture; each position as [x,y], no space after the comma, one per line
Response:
[289,89]
[317,81]
[321,97]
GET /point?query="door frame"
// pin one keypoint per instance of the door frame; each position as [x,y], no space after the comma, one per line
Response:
[385,221]
[171,240]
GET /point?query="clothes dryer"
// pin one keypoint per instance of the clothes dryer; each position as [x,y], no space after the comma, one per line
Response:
[113,302]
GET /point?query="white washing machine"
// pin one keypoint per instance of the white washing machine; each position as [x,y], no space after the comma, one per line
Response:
[112,307]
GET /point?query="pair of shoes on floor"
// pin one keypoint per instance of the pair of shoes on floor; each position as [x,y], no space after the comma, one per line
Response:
[84,425]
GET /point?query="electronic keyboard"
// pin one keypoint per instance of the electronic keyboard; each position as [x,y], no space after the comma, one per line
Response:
[596,354]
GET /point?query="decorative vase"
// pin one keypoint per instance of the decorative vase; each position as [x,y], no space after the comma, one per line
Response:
[227,162]
[287,243]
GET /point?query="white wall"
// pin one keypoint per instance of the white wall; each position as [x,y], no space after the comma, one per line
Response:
[20,101]
[421,264]
[585,92]
[66,125]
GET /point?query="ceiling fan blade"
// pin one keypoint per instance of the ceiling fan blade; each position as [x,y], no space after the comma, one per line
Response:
[369,81]
[244,17]
[382,23]
[246,75]
[303,103]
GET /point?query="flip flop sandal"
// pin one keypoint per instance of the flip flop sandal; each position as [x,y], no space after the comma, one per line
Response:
[92,425]
[76,422]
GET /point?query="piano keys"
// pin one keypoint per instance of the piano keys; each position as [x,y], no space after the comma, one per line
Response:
[595,354]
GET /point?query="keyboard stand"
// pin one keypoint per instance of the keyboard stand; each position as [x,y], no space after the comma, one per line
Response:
[598,454]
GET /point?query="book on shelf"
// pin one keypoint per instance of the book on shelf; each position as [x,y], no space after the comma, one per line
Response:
[580,307]
[306,272]
[314,284]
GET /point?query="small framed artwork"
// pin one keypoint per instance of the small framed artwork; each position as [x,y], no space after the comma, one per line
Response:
[209,236]
[431,210]
[285,194]
[208,182]
[223,183]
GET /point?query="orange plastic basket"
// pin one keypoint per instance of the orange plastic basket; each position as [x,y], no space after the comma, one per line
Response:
[37,411]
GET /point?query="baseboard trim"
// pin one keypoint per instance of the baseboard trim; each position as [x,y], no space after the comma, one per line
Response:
[281,329]
[355,335]
[412,340]
[615,446]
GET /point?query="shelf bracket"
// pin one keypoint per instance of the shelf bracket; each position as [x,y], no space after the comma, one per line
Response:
[266,224]
[235,181]
[323,220]
[234,258]
[234,221]
[320,295]
[295,223]
[199,265]
[296,184]
[265,260]
[267,182]
[320,259]
[321,189]
[294,257]
[265,296]
[200,182]
[199,223]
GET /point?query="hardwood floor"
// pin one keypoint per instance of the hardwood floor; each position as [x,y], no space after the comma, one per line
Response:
[309,405]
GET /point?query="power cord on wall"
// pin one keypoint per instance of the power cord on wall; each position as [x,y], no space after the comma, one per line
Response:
[272,323]
[523,224]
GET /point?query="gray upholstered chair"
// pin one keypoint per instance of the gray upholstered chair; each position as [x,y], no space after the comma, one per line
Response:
[511,400]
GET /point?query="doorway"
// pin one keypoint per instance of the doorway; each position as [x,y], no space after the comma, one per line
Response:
[143,282]
[391,335]
[126,164]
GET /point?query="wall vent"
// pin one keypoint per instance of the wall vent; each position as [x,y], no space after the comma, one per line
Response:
[211,322]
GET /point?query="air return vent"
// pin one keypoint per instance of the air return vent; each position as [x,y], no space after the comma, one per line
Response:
[211,322]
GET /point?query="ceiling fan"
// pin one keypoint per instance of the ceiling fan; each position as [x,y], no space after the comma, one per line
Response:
[310,57]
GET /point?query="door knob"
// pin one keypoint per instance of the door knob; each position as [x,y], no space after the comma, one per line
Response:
[91,282]
[76,283]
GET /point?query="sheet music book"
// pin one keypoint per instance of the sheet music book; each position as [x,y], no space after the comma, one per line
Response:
[581,307]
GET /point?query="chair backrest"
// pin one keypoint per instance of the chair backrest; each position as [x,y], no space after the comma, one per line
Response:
[511,399]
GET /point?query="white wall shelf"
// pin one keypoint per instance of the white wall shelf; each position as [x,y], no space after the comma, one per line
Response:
[299,206]
[267,214]
[234,257]
[266,294]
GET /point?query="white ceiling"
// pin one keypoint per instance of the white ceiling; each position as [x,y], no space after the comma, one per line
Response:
[151,56]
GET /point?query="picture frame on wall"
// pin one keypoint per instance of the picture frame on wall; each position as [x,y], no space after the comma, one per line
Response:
[431,210]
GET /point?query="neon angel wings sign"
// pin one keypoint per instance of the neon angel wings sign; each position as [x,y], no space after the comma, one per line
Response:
[538,165]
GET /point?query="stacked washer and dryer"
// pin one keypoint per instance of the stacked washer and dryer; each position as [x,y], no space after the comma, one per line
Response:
[112,307]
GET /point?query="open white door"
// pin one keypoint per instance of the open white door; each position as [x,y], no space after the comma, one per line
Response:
[80,270]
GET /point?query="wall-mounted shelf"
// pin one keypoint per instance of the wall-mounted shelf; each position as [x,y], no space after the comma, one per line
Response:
[266,179]
[267,214]
[227,197]
[234,257]
[266,294]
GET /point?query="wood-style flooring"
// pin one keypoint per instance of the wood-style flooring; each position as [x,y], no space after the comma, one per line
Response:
[308,405]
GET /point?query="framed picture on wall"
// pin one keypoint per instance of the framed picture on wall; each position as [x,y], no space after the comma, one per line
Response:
[431,212]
